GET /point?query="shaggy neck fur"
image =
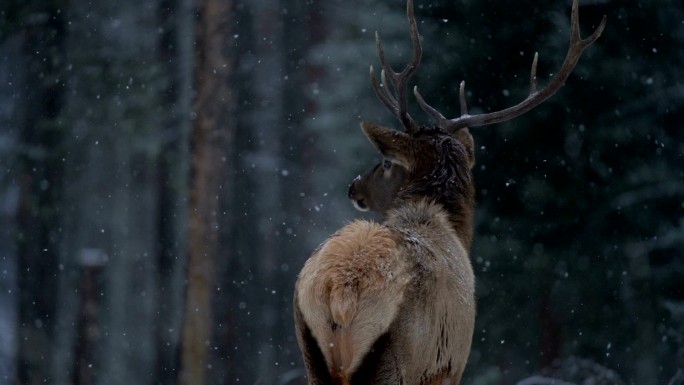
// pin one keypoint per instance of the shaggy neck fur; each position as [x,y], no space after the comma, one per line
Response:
[449,184]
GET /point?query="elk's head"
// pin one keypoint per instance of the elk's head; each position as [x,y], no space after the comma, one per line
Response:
[427,162]
[437,162]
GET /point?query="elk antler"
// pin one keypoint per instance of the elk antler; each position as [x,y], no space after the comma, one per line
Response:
[397,103]
[535,98]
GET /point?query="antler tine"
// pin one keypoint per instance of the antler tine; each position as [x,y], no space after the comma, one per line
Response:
[533,74]
[398,103]
[536,97]
[461,96]
[437,116]
[434,114]
[382,93]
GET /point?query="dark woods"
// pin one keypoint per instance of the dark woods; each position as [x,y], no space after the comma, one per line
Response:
[111,112]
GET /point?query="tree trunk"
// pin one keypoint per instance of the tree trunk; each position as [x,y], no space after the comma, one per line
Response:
[174,18]
[209,140]
[550,337]
[87,325]
[41,189]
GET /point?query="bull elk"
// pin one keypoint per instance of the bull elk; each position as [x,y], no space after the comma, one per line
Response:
[393,302]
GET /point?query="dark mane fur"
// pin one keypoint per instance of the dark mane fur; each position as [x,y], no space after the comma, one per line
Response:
[449,183]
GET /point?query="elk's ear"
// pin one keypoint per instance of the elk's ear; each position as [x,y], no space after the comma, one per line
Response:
[394,145]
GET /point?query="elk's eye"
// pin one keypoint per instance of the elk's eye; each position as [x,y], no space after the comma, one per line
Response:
[386,164]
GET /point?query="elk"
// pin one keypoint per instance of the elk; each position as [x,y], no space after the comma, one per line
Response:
[393,302]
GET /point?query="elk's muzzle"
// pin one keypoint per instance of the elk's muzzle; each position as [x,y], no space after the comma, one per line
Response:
[357,198]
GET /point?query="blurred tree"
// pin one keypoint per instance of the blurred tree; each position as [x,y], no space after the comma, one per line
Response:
[211,135]
[268,175]
[12,64]
[175,54]
[235,328]
[113,84]
[40,179]
[88,322]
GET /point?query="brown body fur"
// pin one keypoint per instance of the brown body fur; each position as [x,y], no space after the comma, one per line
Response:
[407,282]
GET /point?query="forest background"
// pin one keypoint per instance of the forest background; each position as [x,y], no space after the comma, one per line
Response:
[166,167]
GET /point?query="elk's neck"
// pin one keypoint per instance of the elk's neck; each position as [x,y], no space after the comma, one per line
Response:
[423,211]
[449,186]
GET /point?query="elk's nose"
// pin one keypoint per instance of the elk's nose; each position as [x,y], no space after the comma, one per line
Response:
[357,199]
[352,189]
